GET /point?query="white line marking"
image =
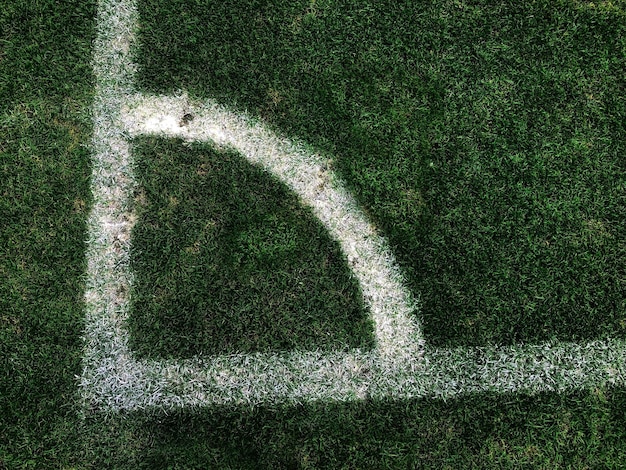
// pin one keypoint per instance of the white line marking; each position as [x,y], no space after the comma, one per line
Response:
[398,368]
[307,174]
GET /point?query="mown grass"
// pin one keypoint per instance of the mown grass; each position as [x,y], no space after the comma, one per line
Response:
[547,431]
[486,139]
[45,93]
[227,260]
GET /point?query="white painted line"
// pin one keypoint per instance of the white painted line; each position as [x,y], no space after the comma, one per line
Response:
[114,379]
[110,222]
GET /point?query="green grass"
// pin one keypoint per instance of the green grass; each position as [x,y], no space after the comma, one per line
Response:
[45,92]
[486,139]
[227,260]
[547,431]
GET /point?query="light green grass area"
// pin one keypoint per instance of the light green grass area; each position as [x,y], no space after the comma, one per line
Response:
[227,260]
[486,139]
[46,89]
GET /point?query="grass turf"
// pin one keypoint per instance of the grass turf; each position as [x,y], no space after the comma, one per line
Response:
[45,90]
[547,431]
[227,260]
[486,139]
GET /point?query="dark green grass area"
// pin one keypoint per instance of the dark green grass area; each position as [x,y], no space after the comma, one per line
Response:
[485,138]
[43,50]
[227,260]
[45,91]
[580,431]
[44,201]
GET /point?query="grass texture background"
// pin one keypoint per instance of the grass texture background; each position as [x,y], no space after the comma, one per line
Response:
[227,260]
[46,89]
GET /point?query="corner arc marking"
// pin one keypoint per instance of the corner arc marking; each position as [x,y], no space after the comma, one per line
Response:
[306,173]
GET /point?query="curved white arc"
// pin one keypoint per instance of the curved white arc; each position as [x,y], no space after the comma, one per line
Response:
[398,335]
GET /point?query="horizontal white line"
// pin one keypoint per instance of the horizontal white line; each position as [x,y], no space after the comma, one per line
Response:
[306,376]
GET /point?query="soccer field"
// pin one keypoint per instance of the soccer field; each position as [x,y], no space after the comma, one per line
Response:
[313,235]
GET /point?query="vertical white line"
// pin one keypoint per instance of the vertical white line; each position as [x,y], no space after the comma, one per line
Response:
[110,221]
